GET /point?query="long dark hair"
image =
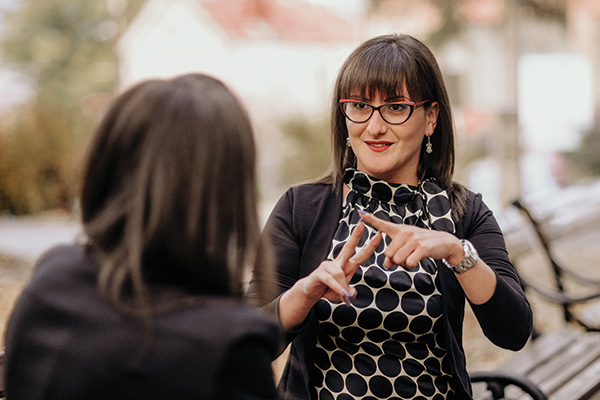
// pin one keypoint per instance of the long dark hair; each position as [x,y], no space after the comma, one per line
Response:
[386,64]
[169,192]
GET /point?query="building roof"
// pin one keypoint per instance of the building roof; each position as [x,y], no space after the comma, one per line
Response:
[284,20]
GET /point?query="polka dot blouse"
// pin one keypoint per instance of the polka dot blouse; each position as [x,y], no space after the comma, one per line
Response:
[389,343]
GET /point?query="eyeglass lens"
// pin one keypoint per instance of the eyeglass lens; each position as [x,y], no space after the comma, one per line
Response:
[359,112]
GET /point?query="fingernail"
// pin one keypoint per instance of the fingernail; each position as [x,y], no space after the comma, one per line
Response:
[362,212]
[346,297]
[387,264]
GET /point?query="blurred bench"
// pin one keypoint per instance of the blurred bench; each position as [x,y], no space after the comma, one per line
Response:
[534,226]
[587,290]
[565,364]
[562,365]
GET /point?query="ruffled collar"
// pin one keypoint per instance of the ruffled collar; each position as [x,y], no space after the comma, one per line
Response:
[426,202]
[394,193]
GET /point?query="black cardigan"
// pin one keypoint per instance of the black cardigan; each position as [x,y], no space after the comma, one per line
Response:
[301,227]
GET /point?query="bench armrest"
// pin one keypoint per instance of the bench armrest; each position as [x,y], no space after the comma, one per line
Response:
[497,381]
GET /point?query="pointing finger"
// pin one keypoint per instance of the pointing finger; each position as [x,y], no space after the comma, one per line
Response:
[389,228]
[350,246]
[364,254]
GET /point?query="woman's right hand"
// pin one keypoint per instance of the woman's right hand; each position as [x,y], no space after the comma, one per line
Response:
[330,280]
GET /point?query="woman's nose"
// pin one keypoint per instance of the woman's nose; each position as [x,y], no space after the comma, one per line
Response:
[377,125]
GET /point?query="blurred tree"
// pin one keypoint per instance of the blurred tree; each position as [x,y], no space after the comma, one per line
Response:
[65,49]
[585,157]
[306,150]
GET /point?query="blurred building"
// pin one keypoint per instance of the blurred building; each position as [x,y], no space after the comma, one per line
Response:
[521,74]
[279,55]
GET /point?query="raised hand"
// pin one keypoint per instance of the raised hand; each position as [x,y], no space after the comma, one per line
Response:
[329,280]
[410,244]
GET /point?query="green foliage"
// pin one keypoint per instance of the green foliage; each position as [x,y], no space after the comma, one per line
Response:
[60,41]
[585,157]
[454,20]
[37,163]
[306,150]
[65,49]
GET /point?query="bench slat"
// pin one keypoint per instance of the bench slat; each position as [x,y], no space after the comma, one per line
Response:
[582,386]
[568,365]
[541,350]
[564,364]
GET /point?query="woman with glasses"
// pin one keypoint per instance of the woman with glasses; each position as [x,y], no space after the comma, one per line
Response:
[151,305]
[376,261]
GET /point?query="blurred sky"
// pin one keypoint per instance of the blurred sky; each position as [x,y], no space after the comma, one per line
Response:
[345,6]
[4,4]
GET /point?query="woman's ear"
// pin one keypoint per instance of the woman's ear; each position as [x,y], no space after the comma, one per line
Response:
[431,115]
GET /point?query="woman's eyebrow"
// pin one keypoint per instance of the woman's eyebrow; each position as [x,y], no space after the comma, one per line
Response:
[397,98]
[358,97]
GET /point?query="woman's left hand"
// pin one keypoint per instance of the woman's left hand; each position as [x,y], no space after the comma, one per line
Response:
[410,244]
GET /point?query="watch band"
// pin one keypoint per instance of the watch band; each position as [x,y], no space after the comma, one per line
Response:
[471,258]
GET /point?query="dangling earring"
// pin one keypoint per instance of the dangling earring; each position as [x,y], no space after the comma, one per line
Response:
[348,141]
[428,146]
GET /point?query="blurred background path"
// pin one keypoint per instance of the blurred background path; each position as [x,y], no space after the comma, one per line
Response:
[22,241]
[28,237]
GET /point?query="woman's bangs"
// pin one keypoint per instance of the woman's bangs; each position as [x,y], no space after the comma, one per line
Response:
[370,76]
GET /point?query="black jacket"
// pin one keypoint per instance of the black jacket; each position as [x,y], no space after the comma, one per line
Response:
[302,226]
[64,342]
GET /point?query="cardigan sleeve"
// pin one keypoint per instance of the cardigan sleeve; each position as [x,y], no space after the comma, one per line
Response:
[506,319]
[286,247]
[282,230]
[300,229]
[287,251]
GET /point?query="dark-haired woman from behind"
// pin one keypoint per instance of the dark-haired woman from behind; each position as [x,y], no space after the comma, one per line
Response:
[151,305]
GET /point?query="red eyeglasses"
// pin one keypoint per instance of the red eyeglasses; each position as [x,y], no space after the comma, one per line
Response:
[395,113]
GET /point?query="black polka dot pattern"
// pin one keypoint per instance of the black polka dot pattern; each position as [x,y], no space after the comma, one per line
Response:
[389,343]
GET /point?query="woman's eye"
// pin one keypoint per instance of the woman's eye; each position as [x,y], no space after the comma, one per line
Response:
[361,106]
[397,108]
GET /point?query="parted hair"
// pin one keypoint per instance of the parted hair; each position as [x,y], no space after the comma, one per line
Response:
[388,64]
[168,194]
